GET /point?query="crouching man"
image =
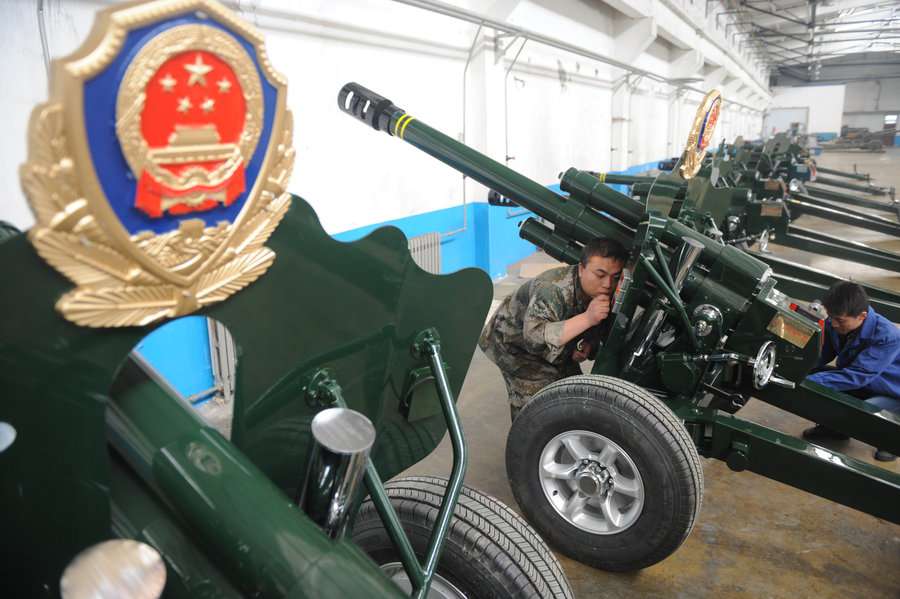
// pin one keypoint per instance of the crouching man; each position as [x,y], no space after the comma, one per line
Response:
[866,346]
[541,332]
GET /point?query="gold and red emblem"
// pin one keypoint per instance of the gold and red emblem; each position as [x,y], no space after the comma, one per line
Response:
[157,171]
[701,134]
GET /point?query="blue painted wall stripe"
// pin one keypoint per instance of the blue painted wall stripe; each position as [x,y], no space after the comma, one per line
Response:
[490,240]
[179,350]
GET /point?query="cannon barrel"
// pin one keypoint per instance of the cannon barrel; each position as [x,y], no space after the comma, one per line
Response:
[574,218]
[564,250]
[600,196]
[571,217]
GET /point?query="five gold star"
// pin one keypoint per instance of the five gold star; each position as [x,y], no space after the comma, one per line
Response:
[198,70]
[224,85]
[184,104]
[168,83]
[208,105]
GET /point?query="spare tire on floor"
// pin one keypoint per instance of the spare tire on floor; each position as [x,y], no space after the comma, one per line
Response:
[605,472]
[490,551]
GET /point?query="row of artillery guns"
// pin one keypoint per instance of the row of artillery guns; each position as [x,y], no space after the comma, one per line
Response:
[747,195]
[701,323]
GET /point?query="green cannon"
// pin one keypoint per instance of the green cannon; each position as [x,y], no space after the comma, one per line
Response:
[781,158]
[346,357]
[606,465]
[748,217]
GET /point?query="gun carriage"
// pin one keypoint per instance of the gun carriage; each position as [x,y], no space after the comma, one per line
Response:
[348,359]
[728,202]
[606,465]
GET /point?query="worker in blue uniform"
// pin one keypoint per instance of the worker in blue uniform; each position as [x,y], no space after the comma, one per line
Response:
[866,349]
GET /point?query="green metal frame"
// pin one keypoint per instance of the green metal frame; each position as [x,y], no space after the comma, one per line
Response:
[808,284]
[326,391]
[749,446]
[870,189]
[847,174]
[808,240]
[800,204]
[892,207]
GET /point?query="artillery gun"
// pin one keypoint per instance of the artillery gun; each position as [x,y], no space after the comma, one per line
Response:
[762,204]
[781,159]
[348,358]
[606,465]
[748,217]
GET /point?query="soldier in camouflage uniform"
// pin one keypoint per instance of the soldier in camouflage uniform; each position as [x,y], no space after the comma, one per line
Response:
[541,332]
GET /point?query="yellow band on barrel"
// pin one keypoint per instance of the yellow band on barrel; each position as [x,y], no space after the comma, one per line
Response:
[602,177]
[399,122]
[405,125]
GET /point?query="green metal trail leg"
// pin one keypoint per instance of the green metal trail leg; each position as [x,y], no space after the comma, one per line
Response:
[460,459]
[816,243]
[822,209]
[872,189]
[845,198]
[748,446]
[839,411]
[810,284]
[849,175]
[427,344]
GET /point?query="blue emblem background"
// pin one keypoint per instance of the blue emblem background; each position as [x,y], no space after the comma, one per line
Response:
[114,174]
[706,120]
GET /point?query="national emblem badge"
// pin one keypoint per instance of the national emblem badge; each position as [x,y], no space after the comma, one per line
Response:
[157,170]
[701,133]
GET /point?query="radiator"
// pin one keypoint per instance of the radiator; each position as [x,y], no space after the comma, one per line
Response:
[219,413]
[426,252]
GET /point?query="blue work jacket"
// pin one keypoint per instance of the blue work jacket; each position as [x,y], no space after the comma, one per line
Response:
[869,362]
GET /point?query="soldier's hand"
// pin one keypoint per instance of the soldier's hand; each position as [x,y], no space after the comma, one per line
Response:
[598,309]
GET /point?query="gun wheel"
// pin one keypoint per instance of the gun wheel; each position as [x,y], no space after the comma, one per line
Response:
[605,472]
[489,551]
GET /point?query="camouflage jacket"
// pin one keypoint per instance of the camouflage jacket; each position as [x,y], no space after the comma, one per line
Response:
[523,337]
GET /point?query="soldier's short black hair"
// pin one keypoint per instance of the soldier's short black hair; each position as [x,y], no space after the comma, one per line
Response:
[605,248]
[845,299]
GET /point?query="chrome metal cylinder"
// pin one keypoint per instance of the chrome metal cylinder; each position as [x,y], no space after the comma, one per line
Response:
[684,260]
[654,322]
[342,440]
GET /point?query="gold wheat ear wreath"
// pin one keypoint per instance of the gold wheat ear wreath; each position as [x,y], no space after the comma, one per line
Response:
[701,134]
[127,279]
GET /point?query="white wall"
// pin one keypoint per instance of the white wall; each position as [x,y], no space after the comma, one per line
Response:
[558,109]
[825,103]
[868,101]
[872,122]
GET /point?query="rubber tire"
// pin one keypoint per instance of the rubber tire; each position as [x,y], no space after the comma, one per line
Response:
[490,551]
[647,430]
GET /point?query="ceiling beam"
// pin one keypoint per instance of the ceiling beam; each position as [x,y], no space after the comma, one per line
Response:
[776,33]
[770,13]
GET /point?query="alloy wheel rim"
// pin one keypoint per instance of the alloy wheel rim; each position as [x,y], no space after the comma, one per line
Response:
[440,588]
[591,482]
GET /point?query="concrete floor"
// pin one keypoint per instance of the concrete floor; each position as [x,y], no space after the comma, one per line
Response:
[754,537]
